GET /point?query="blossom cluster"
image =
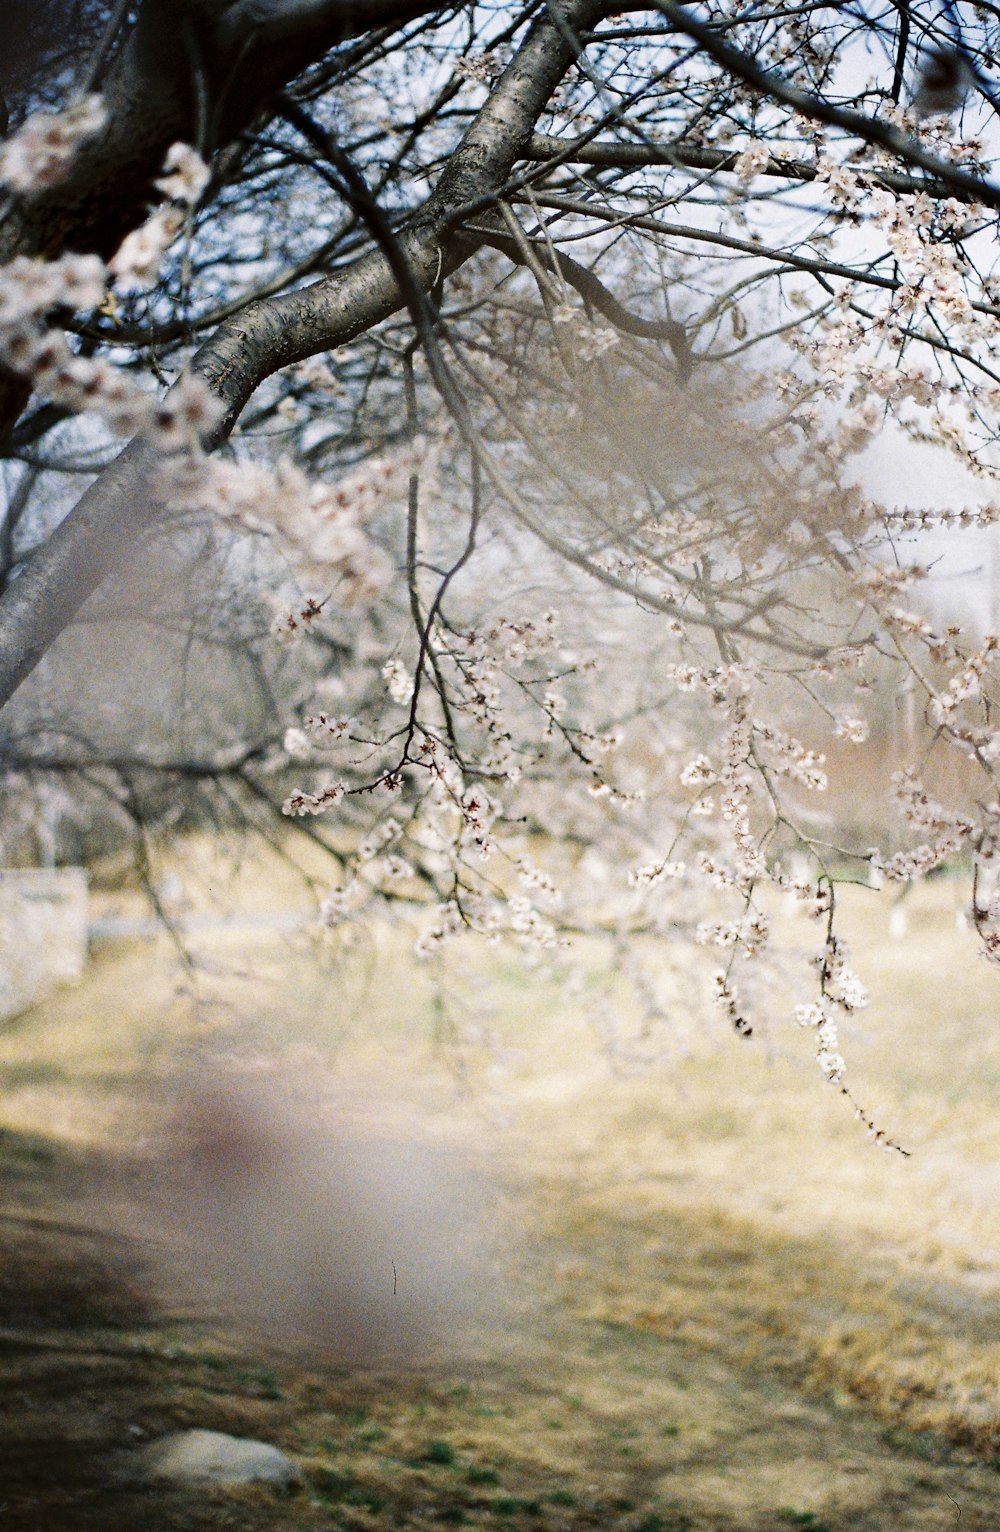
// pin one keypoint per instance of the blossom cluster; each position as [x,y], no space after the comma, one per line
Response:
[946,833]
[32,290]
[136,265]
[726,997]
[790,758]
[290,627]
[299,802]
[463,708]
[820,1015]
[41,153]
[483,68]
[749,933]
[652,873]
[320,527]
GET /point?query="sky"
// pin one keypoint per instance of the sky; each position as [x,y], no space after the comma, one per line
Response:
[966,564]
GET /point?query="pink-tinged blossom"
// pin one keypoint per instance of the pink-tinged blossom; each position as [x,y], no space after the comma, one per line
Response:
[832,1064]
[300,803]
[30,287]
[698,772]
[376,842]
[295,744]
[818,1016]
[656,872]
[136,263]
[187,413]
[323,537]
[527,923]
[42,151]
[726,997]
[399,683]
[287,629]
[483,68]
[445,924]
[186,175]
[326,730]
[536,879]
[854,729]
[338,905]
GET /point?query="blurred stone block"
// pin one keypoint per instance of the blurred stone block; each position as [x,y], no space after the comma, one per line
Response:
[43,933]
[210,1457]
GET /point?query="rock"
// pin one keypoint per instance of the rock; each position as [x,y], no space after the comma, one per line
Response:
[211,1457]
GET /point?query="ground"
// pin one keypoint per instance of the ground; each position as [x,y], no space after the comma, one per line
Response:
[703,1300]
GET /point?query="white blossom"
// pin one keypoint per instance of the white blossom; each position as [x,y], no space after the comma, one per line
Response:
[398,681]
[751,161]
[296,744]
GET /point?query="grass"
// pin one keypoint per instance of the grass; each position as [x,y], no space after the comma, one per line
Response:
[714,1305]
[440,1452]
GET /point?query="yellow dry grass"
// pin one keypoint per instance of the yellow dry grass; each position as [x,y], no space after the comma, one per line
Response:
[726,1206]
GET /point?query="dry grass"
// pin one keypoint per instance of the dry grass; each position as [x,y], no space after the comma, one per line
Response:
[701,1266]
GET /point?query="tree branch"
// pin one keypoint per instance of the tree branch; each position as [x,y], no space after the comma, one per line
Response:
[783,259]
[250,51]
[614,156]
[273,333]
[871,130]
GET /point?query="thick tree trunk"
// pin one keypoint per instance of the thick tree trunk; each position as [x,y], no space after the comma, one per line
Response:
[234,57]
[275,332]
[239,54]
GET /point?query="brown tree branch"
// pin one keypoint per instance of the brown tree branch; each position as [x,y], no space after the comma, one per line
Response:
[184,60]
[685,156]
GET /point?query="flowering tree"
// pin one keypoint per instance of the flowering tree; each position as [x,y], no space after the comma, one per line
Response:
[456,305]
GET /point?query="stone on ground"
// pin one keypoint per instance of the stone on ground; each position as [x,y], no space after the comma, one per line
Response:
[211,1457]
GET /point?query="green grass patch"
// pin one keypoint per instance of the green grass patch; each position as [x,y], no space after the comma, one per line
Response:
[335,1488]
[515,1505]
[916,1444]
[477,1475]
[440,1452]
[331,1484]
[355,1416]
